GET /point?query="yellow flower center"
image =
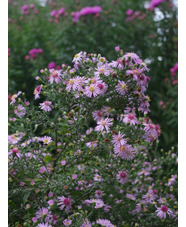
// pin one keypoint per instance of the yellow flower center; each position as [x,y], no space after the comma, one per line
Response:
[92,89]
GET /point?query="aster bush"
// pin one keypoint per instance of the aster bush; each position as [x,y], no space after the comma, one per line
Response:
[79,155]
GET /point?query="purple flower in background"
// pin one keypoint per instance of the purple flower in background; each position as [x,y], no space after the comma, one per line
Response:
[155,3]
[52,65]
[24,9]
[129,12]
[90,10]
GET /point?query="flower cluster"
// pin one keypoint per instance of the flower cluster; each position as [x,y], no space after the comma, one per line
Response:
[25,9]
[33,53]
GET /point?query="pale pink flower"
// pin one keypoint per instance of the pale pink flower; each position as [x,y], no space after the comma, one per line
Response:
[13,97]
[71,84]
[91,91]
[162,211]
[67,222]
[20,111]
[64,202]
[105,222]
[97,177]
[46,106]
[16,152]
[118,139]
[121,88]
[102,70]
[104,124]
[124,151]
[55,75]
[130,118]
[107,111]
[122,176]
[130,196]
[98,115]
[47,139]
[44,225]
[102,88]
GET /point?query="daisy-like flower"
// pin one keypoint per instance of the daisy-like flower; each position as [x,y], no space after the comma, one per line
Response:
[46,106]
[97,177]
[86,223]
[122,176]
[124,151]
[13,97]
[102,88]
[91,91]
[162,211]
[102,70]
[98,115]
[118,139]
[130,118]
[64,202]
[78,57]
[71,84]
[121,88]
[98,194]
[104,124]
[98,202]
[44,213]
[67,222]
[105,222]
[15,151]
[20,111]
[47,139]
[44,225]
[92,144]
[130,196]
[37,91]
[107,111]
[55,75]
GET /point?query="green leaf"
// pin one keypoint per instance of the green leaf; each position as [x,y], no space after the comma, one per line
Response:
[48,158]
[25,197]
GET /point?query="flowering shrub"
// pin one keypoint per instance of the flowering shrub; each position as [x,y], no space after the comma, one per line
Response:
[79,156]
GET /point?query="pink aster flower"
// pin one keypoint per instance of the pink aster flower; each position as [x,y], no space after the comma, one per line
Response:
[97,177]
[98,115]
[162,211]
[104,124]
[13,97]
[43,212]
[98,194]
[91,144]
[122,176]
[91,91]
[44,225]
[121,88]
[102,88]
[118,139]
[46,106]
[20,111]
[37,91]
[117,48]
[104,222]
[16,152]
[124,151]
[130,118]
[71,85]
[102,70]
[47,139]
[51,202]
[155,3]
[107,111]
[55,76]
[52,65]
[67,222]
[130,196]
[64,202]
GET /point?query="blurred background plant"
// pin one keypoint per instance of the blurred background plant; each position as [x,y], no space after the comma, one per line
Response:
[48,33]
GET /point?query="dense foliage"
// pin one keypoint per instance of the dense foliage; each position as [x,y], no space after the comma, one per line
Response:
[87,145]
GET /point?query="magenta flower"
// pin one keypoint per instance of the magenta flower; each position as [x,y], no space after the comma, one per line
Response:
[104,124]
[20,111]
[98,115]
[46,106]
[155,3]
[117,48]
[51,65]
[24,9]
[15,151]
[129,12]
[90,10]
[162,211]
